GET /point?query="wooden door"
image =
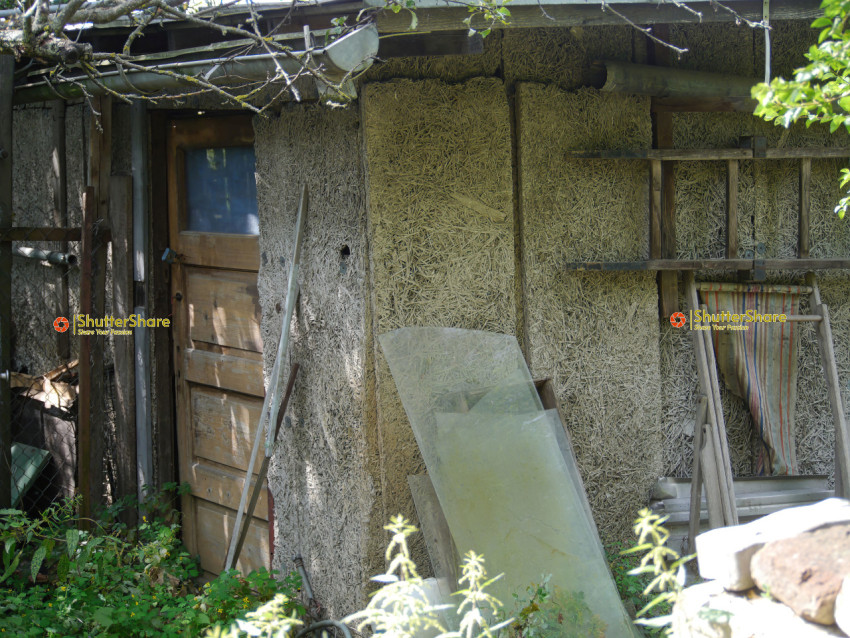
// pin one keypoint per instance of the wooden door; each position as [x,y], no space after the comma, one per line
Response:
[213,229]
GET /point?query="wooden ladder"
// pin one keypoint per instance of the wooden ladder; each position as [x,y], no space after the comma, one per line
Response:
[712,467]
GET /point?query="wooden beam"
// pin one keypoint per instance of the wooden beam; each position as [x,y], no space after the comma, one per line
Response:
[710,264]
[155,294]
[100,167]
[803,213]
[121,220]
[655,209]
[588,15]
[731,209]
[7,68]
[702,105]
[706,154]
[29,233]
[696,474]
[84,392]
[58,176]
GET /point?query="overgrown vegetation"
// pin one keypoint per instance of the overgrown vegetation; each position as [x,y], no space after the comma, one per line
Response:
[59,580]
[820,90]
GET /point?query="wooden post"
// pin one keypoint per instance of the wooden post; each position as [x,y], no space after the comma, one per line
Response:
[731,209]
[668,282]
[805,199]
[7,68]
[830,370]
[121,222]
[156,292]
[696,474]
[655,209]
[84,391]
[100,166]
[60,214]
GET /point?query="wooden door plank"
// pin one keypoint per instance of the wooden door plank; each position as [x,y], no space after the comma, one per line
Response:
[222,487]
[224,308]
[234,252]
[214,522]
[227,372]
[223,425]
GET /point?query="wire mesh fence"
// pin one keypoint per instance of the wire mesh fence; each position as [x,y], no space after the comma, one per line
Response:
[58,303]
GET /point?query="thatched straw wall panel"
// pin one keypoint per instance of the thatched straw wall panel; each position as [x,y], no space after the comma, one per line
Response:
[323,473]
[451,68]
[562,56]
[721,48]
[441,233]
[594,334]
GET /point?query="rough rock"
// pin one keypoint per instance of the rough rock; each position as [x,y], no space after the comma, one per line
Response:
[842,607]
[724,554]
[708,611]
[805,572]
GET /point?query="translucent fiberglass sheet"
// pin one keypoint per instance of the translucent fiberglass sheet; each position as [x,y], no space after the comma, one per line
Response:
[496,461]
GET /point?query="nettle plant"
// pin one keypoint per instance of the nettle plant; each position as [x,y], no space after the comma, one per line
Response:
[110,580]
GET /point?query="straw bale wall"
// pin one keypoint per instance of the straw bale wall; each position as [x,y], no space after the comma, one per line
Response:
[441,234]
[594,334]
[321,476]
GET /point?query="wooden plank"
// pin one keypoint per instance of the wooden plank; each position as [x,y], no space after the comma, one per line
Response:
[59,185]
[450,18]
[84,403]
[812,152]
[29,233]
[655,209]
[100,167]
[696,474]
[731,209]
[7,68]
[803,213]
[234,252]
[702,105]
[224,308]
[155,293]
[720,438]
[224,425]
[709,264]
[121,220]
[227,372]
[222,487]
[706,154]
[830,370]
[213,522]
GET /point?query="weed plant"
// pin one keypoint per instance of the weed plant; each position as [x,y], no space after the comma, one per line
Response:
[59,580]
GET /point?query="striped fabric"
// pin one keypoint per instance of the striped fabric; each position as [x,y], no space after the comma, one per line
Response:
[759,364]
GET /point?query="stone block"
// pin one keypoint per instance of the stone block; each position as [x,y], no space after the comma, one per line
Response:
[842,607]
[724,554]
[805,572]
[708,611]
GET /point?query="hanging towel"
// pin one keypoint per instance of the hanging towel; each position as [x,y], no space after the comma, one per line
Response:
[759,364]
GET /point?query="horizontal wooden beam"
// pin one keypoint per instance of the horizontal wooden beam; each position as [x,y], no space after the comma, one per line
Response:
[702,105]
[710,264]
[46,233]
[709,154]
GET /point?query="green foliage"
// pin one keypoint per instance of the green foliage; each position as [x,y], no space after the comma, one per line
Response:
[664,567]
[819,91]
[400,609]
[113,581]
[548,611]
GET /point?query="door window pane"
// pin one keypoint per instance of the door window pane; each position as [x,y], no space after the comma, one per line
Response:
[221,194]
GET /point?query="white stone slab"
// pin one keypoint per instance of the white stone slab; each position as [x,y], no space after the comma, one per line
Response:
[724,554]
[842,607]
[708,611]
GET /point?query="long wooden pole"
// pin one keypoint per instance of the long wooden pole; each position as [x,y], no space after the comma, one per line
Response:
[270,406]
[696,475]
[7,68]
[59,177]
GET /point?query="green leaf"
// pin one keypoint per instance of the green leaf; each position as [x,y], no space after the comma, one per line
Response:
[63,567]
[103,617]
[37,560]
[72,537]
[414,21]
